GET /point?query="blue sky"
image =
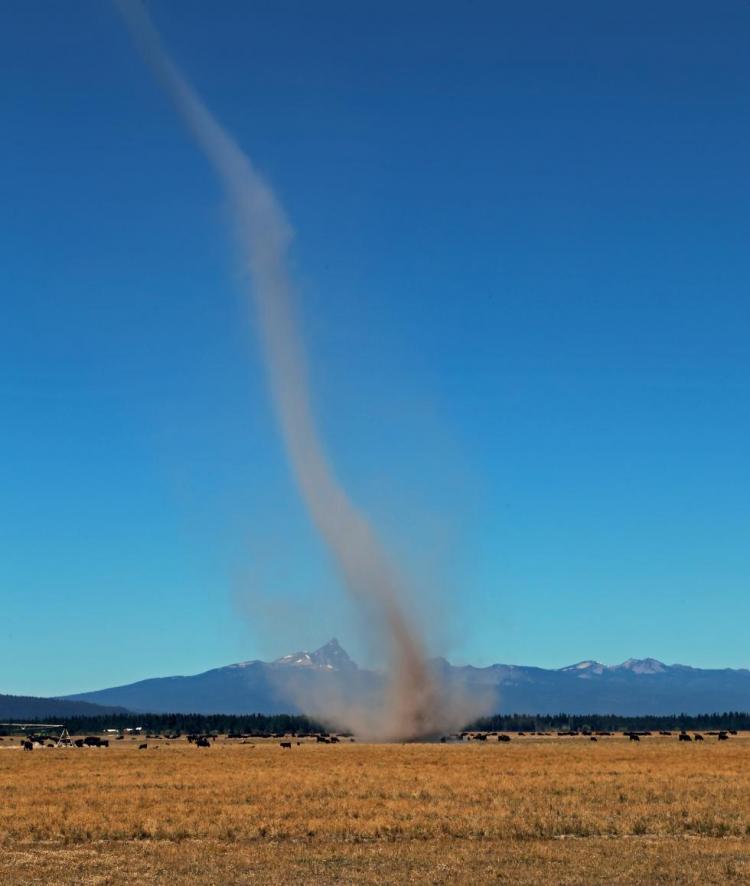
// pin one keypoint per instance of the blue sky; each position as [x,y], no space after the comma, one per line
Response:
[522,261]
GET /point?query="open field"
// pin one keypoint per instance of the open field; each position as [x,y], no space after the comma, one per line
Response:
[532,810]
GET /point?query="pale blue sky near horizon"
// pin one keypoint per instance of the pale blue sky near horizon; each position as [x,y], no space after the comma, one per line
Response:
[521,249]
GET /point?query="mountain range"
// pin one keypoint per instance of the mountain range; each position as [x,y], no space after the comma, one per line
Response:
[288,684]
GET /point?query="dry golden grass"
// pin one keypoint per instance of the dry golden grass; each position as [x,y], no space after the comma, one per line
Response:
[553,810]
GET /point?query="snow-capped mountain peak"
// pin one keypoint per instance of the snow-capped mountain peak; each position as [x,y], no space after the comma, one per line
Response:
[330,657]
[586,667]
[641,666]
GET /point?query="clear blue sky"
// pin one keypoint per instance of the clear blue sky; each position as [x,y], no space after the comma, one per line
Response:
[522,239]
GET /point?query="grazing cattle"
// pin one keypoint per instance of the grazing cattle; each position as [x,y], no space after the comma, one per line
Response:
[442,739]
[633,736]
[698,736]
[92,741]
[503,738]
[593,738]
[334,740]
[480,737]
[723,736]
[28,745]
[733,732]
[203,742]
[683,736]
[285,744]
[142,747]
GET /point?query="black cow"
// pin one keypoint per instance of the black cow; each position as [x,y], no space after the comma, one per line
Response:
[633,736]
[286,744]
[593,738]
[723,736]
[142,747]
[698,736]
[503,738]
[28,745]
[683,736]
[203,742]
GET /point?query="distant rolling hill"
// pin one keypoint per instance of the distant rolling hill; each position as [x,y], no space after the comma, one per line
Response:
[17,708]
[635,687]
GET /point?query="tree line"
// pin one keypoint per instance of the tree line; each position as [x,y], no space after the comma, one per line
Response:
[611,722]
[257,724]
[260,724]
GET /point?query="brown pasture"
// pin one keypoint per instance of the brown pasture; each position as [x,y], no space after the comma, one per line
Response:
[528,811]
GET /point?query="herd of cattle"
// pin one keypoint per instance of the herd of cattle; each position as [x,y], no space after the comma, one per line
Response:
[206,740]
[722,735]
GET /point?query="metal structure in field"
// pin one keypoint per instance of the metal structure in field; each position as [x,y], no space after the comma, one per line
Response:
[32,730]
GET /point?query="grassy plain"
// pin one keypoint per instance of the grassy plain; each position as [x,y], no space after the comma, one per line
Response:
[534,810]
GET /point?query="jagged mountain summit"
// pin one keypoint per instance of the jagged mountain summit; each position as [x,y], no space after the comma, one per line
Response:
[288,684]
[330,657]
